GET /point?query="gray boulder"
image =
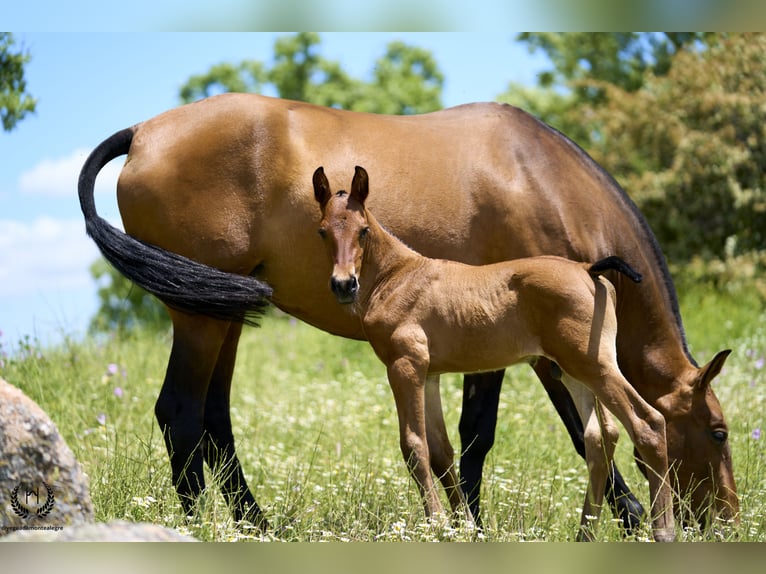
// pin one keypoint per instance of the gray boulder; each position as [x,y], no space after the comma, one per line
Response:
[41,483]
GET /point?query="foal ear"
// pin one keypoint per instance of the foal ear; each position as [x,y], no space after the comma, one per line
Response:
[711,370]
[322,191]
[360,185]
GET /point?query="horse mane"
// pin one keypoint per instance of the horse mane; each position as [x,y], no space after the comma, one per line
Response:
[646,232]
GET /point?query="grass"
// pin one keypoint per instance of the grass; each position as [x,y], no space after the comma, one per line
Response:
[317,435]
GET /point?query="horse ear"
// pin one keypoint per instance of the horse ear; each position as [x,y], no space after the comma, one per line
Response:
[322,191]
[711,370]
[360,185]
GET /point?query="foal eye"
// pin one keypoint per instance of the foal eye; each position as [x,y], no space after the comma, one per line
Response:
[322,232]
[719,436]
[363,233]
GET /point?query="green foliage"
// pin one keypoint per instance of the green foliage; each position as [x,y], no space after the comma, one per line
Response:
[677,119]
[689,148]
[15,102]
[123,305]
[317,434]
[582,63]
[405,79]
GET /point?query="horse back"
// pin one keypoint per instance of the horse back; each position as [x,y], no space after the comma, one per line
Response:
[227,181]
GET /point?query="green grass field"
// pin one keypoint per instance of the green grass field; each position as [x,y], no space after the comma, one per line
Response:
[317,435]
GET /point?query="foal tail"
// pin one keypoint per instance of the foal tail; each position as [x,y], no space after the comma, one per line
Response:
[615,263]
[179,282]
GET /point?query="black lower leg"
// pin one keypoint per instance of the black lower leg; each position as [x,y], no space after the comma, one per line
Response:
[478,419]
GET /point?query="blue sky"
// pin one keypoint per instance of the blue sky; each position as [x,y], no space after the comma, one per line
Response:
[90,85]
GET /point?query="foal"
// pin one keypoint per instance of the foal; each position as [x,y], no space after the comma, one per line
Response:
[424,317]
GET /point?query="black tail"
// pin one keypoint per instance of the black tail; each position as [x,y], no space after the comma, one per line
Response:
[179,282]
[617,264]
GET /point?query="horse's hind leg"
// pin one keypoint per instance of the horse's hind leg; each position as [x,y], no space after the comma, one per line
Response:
[219,450]
[600,438]
[622,501]
[646,428]
[440,449]
[180,406]
[478,419]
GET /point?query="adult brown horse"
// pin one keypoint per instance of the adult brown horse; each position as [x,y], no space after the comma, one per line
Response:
[214,199]
[425,317]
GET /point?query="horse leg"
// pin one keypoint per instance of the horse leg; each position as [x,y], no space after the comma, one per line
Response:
[440,449]
[180,406]
[407,384]
[600,437]
[478,419]
[622,501]
[219,450]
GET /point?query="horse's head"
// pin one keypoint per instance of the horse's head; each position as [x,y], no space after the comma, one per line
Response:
[343,228]
[697,437]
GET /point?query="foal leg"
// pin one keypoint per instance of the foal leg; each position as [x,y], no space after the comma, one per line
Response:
[219,450]
[478,419]
[622,501]
[440,449]
[600,438]
[407,382]
[646,427]
[180,406]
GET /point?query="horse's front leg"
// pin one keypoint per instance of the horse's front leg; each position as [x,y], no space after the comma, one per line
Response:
[441,451]
[407,380]
[478,419]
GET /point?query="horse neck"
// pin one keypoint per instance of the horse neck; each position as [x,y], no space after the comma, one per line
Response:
[660,367]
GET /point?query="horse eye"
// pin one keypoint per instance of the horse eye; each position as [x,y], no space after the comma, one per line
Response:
[322,232]
[363,233]
[719,436]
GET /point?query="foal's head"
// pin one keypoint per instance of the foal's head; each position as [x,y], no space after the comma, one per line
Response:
[344,229]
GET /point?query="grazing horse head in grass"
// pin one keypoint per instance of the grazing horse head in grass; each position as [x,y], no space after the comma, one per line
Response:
[424,317]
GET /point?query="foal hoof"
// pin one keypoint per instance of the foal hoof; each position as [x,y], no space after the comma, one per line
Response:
[664,535]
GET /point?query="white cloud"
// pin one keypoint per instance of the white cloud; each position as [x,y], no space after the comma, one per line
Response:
[45,256]
[58,176]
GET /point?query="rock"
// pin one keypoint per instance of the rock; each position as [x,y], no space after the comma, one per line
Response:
[117,531]
[41,483]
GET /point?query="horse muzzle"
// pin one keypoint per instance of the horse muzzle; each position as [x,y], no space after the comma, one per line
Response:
[346,289]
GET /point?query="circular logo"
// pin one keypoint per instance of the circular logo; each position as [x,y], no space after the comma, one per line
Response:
[31,502]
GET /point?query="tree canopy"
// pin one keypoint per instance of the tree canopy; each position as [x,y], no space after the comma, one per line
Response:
[405,79]
[15,102]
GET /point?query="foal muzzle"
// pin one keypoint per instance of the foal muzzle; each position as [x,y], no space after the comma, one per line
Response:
[345,290]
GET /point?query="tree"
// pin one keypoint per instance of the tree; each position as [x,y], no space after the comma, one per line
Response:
[677,119]
[405,80]
[583,62]
[689,147]
[15,102]
[123,305]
